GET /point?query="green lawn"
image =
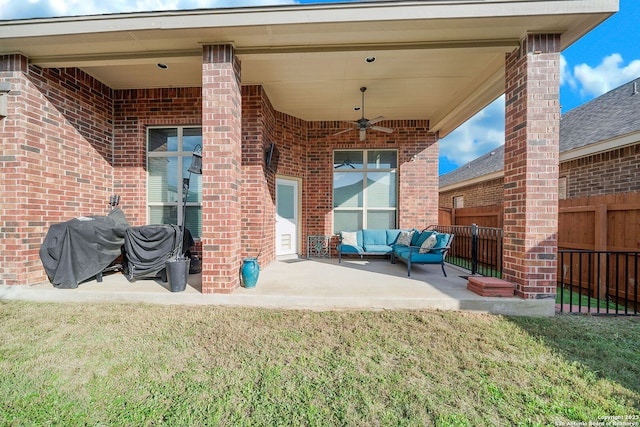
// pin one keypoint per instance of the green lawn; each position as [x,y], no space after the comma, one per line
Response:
[134,365]
[574,298]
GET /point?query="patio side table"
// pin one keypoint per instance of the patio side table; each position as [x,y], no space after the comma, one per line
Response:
[319,246]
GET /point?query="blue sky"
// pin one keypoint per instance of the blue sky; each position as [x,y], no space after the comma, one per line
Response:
[604,59]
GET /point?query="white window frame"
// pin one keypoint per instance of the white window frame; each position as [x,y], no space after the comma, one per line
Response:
[458,202]
[364,170]
[182,156]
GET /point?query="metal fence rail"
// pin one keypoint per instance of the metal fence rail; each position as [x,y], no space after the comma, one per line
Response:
[478,249]
[598,282]
[594,282]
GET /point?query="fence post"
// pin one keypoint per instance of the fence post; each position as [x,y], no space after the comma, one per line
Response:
[474,248]
[600,244]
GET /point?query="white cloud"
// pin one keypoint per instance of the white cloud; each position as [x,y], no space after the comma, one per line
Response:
[607,75]
[19,9]
[478,135]
[565,73]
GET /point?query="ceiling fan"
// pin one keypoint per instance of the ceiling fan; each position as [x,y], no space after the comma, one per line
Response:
[346,162]
[363,123]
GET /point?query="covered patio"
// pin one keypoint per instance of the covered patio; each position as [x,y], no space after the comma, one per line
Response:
[114,104]
[299,283]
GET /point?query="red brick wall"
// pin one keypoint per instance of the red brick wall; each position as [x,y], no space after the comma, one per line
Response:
[418,171]
[55,159]
[487,193]
[615,171]
[290,136]
[258,190]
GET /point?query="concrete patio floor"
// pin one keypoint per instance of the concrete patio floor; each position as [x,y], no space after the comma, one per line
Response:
[316,284]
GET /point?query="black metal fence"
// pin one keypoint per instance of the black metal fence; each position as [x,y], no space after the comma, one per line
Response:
[478,249]
[598,282]
[594,282]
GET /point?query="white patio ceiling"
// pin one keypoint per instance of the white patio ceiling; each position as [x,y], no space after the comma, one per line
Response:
[441,60]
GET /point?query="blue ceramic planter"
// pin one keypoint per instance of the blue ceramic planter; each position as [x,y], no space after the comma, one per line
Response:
[250,272]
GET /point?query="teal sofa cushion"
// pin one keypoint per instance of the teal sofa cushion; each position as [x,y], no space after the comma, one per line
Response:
[348,249]
[374,237]
[416,236]
[427,258]
[383,249]
[375,240]
[392,236]
[402,251]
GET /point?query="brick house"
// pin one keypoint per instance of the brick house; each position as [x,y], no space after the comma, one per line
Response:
[599,154]
[114,104]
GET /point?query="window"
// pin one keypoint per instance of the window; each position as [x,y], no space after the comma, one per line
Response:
[458,202]
[364,189]
[562,188]
[169,152]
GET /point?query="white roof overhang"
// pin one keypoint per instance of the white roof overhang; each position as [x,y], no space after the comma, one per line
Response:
[441,60]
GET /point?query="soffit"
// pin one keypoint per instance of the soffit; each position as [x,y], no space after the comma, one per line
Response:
[436,60]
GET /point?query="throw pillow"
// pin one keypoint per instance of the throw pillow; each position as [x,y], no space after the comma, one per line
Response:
[350,238]
[404,239]
[428,244]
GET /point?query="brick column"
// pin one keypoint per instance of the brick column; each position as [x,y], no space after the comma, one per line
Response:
[221,169]
[15,148]
[532,129]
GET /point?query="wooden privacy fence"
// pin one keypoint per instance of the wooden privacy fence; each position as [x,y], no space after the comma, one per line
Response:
[600,223]
[483,216]
[606,226]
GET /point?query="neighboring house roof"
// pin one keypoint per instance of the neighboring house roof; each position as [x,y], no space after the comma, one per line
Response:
[612,120]
[441,61]
[483,166]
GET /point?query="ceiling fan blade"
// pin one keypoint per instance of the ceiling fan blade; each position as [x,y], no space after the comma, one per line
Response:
[382,129]
[363,134]
[376,120]
[347,162]
[343,131]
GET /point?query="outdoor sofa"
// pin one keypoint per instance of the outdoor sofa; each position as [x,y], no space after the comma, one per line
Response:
[423,252]
[410,246]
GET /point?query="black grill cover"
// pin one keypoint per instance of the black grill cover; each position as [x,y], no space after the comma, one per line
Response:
[79,249]
[148,247]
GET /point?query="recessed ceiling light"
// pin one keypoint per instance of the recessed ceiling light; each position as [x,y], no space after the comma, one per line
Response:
[162,66]
[370,59]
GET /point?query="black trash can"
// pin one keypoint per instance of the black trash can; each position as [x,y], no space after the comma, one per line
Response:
[177,274]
